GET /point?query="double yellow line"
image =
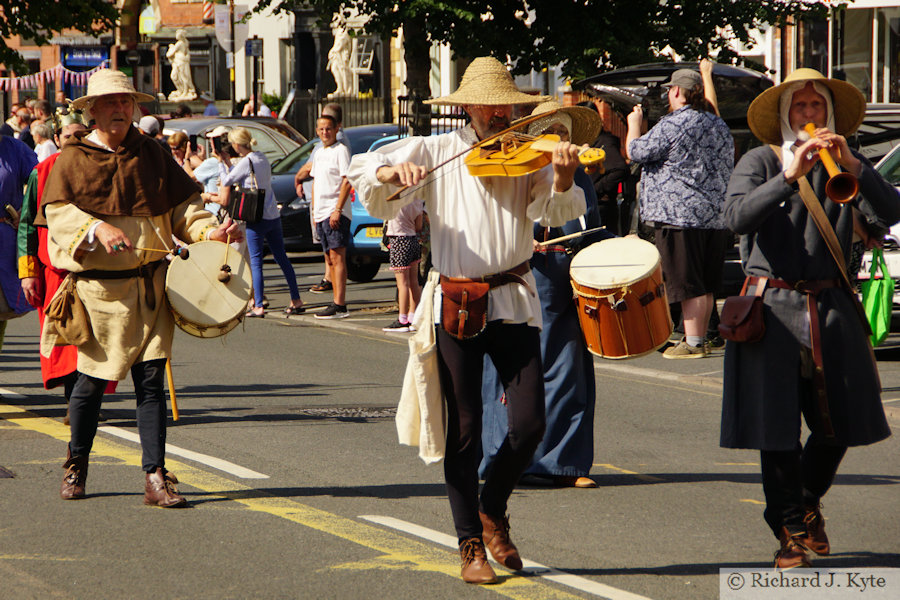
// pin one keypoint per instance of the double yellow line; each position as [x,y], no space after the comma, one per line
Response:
[395,551]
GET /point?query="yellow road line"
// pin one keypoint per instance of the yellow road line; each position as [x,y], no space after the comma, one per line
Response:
[666,384]
[637,475]
[397,551]
[737,464]
[749,501]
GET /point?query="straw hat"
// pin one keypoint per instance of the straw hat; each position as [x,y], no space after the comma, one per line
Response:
[586,123]
[487,81]
[849,106]
[106,82]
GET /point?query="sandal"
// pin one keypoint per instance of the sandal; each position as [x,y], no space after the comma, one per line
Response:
[251,314]
[294,310]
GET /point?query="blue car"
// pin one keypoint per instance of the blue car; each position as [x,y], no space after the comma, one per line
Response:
[364,256]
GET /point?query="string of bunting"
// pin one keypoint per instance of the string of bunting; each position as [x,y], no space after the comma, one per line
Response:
[58,72]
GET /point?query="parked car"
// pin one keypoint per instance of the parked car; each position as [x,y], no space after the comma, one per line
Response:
[362,262]
[271,143]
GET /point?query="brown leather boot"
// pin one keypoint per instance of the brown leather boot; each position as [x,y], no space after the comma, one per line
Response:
[475,567]
[76,467]
[496,538]
[792,552]
[160,490]
[815,538]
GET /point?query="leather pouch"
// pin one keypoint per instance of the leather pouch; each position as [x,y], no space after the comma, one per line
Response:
[742,316]
[67,315]
[464,307]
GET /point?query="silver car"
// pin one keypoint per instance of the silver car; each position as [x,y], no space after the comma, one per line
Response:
[269,141]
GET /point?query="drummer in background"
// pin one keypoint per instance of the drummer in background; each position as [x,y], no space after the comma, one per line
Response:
[481,228]
[40,279]
[687,159]
[109,193]
[565,455]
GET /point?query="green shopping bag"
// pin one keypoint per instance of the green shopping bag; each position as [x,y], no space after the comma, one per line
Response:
[878,298]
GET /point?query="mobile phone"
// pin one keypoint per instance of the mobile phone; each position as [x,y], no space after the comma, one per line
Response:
[192,140]
[217,144]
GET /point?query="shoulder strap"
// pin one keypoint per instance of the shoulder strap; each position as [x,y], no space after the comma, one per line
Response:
[814,207]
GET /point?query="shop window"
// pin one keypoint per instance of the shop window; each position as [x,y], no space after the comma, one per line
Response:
[812,46]
[853,48]
[889,52]
[286,60]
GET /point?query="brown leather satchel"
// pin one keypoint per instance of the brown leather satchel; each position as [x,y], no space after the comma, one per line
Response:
[464,306]
[67,316]
[742,316]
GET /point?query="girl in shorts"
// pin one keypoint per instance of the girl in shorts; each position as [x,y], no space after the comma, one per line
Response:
[405,254]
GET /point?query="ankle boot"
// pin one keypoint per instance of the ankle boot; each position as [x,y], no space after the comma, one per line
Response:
[76,474]
[815,538]
[160,490]
[496,538]
[475,567]
[792,552]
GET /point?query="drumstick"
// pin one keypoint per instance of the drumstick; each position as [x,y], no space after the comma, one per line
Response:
[179,251]
[570,236]
[172,390]
[225,270]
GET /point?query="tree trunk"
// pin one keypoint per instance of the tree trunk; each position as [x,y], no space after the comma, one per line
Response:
[418,74]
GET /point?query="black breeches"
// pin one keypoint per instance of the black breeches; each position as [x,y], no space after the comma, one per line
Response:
[84,408]
[515,351]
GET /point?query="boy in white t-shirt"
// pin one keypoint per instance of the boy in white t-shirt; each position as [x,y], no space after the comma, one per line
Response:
[331,210]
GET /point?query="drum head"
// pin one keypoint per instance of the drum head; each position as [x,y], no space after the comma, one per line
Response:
[614,262]
[195,292]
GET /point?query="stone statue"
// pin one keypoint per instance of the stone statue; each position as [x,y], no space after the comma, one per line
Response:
[180,57]
[339,60]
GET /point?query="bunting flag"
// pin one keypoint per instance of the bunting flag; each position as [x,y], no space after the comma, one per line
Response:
[58,72]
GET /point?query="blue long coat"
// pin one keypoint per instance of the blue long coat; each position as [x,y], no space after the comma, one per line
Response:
[763,389]
[569,387]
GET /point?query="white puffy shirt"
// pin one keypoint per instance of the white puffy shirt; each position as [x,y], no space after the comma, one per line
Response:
[479,225]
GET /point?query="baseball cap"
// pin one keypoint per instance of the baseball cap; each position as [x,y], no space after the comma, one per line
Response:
[684,78]
[218,132]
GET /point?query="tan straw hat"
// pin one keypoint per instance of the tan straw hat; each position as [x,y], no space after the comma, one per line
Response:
[106,82]
[488,82]
[586,123]
[849,106]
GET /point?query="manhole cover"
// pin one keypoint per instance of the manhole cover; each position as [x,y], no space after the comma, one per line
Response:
[352,412]
[6,473]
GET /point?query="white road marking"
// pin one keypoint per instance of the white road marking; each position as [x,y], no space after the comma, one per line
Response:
[210,461]
[11,394]
[531,568]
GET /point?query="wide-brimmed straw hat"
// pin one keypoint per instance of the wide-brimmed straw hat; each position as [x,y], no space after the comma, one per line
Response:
[488,82]
[106,82]
[849,106]
[586,122]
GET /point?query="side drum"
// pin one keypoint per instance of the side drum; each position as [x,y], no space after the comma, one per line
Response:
[202,305]
[621,298]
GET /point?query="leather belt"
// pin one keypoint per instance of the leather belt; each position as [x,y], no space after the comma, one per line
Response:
[144,271]
[812,288]
[513,275]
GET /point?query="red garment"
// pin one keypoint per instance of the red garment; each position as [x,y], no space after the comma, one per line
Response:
[63,360]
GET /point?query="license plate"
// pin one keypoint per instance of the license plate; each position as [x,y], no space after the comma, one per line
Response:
[374,232]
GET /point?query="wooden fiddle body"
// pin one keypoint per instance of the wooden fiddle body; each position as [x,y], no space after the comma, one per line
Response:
[514,155]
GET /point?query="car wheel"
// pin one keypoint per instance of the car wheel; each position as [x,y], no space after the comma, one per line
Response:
[362,269]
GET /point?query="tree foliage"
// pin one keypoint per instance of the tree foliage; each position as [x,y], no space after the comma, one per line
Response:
[583,36]
[40,20]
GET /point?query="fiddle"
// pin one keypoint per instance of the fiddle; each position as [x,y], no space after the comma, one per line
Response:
[516,154]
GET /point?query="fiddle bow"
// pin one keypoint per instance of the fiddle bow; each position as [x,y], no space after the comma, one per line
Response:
[536,152]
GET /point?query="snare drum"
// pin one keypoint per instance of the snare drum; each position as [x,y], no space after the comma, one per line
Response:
[202,305]
[621,298]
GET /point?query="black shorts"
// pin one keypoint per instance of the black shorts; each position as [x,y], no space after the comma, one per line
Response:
[332,239]
[405,251]
[692,260]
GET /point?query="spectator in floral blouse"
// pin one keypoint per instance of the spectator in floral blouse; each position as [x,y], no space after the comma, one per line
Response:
[687,159]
